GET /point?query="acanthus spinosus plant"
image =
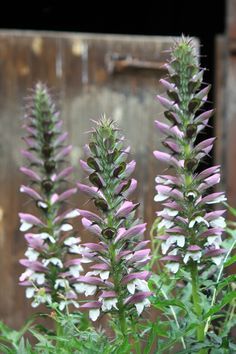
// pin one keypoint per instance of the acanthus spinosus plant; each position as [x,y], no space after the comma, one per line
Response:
[116,275]
[191,239]
[48,272]
[112,274]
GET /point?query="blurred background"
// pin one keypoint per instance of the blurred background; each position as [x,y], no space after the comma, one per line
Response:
[100,58]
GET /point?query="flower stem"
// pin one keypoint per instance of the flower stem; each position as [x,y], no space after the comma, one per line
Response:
[197,303]
[217,281]
[174,315]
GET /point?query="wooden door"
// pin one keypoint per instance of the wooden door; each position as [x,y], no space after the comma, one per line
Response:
[91,75]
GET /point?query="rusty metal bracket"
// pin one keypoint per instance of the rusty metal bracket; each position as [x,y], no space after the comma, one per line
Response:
[117,63]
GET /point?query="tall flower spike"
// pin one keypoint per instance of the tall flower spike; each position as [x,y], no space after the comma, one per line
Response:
[192,231]
[48,274]
[116,260]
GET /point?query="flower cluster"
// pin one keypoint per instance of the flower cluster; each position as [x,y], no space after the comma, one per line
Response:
[192,231]
[116,276]
[48,274]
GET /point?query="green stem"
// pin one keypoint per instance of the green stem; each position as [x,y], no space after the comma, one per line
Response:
[117,287]
[59,332]
[197,303]
[217,281]
[122,320]
[175,317]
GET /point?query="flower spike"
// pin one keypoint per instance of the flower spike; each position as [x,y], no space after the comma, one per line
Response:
[189,227]
[48,276]
[116,261]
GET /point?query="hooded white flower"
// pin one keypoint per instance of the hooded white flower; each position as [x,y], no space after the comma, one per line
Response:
[141,305]
[53,260]
[217,260]
[138,284]
[173,267]
[94,314]
[25,226]
[219,222]
[178,239]
[108,303]
[196,256]
[38,278]
[62,283]
[75,270]
[87,289]
[29,293]
[31,254]
[198,220]
[167,224]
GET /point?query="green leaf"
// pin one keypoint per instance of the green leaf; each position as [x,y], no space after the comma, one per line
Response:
[6,350]
[226,281]
[226,300]
[230,261]
[161,304]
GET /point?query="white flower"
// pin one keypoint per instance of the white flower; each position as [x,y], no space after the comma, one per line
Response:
[39,278]
[85,260]
[75,270]
[160,197]
[72,214]
[26,275]
[140,306]
[30,292]
[65,303]
[179,239]
[214,240]
[167,224]
[164,247]
[71,241]
[87,289]
[45,235]
[63,283]
[94,314]
[41,299]
[31,254]
[104,275]
[194,255]
[167,211]
[174,252]
[173,267]
[53,260]
[219,222]
[220,199]
[217,260]
[42,204]
[76,249]
[198,220]
[25,226]
[107,304]
[138,284]
[66,227]
[160,180]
